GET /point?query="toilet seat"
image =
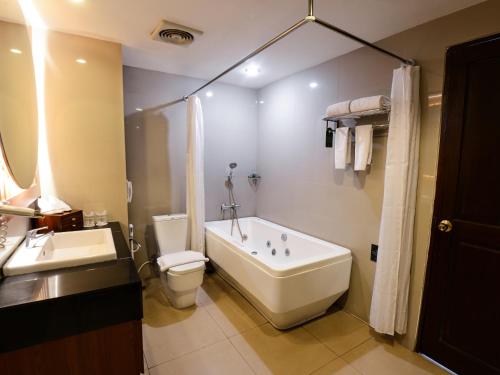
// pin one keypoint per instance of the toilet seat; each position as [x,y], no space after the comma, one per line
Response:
[187,268]
[182,262]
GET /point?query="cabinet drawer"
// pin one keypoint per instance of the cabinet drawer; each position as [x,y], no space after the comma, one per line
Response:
[72,225]
[71,218]
[71,221]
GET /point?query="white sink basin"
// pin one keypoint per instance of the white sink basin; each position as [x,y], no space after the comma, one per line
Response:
[66,249]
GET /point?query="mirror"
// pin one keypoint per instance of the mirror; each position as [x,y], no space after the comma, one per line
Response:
[18,105]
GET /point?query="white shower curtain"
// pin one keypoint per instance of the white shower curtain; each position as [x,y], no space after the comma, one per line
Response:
[195,183]
[389,306]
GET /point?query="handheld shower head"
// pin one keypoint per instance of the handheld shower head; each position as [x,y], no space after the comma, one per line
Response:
[232,166]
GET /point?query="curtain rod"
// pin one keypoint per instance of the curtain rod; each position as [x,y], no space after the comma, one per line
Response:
[309,18]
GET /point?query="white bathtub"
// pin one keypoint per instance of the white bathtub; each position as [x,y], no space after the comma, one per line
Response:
[287,289]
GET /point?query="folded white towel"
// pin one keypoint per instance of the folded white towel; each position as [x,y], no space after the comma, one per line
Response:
[51,205]
[338,109]
[370,103]
[363,148]
[179,258]
[342,147]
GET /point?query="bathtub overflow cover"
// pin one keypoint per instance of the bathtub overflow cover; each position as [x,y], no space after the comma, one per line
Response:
[253,253]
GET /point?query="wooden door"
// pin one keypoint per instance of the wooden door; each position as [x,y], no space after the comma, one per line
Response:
[461,311]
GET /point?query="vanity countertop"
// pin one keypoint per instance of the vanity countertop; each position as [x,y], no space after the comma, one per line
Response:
[43,306]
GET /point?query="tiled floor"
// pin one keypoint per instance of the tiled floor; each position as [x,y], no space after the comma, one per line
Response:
[224,334]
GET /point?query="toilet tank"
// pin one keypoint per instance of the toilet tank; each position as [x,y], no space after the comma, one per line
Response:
[170,232]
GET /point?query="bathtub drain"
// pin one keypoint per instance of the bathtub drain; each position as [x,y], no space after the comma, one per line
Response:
[254,253]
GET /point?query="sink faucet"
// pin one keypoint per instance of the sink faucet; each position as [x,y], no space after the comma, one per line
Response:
[32,235]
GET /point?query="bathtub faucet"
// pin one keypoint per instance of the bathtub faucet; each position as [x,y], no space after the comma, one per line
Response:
[225,207]
[232,207]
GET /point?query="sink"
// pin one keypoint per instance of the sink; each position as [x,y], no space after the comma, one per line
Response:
[65,249]
[11,244]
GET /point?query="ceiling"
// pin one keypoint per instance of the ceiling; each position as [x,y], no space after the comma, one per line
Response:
[233,28]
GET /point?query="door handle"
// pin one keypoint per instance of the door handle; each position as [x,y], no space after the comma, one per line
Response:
[445,226]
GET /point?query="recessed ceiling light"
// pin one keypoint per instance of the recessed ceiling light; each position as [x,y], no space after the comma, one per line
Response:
[81,61]
[139,109]
[261,102]
[313,85]
[78,1]
[209,94]
[252,70]
[16,51]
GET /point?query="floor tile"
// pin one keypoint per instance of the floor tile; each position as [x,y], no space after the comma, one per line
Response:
[169,333]
[269,351]
[212,289]
[339,331]
[193,340]
[218,359]
[376,357]
[337,367]
[234,314]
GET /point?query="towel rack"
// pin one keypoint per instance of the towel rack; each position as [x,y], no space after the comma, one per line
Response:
[379,118]
[358,115]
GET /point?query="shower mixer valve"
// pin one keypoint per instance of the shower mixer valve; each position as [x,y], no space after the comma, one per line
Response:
[225,207]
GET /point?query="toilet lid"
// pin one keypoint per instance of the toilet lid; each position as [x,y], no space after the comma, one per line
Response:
[187,268]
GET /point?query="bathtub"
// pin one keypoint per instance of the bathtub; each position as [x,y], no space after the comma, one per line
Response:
[299,282]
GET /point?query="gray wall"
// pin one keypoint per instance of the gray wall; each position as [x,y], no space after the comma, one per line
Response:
[156,145]
[300,188]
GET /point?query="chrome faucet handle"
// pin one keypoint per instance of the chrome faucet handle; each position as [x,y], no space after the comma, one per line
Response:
[31,235]
[31,232]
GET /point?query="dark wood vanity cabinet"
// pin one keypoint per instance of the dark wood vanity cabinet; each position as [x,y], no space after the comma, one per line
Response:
[113,350]
[84,320]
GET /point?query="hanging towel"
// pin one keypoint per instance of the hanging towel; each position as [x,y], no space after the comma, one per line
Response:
[195,186]
[338,109]
[180,258]
[370,103]
[363,147]
[389,307]
[342,147]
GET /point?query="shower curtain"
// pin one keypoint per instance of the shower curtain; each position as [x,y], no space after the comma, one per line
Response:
[195,185]
[389,306]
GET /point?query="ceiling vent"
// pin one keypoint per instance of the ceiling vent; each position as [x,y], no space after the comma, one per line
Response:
[174,33]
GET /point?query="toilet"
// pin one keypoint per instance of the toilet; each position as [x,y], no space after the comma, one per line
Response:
[182,281]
